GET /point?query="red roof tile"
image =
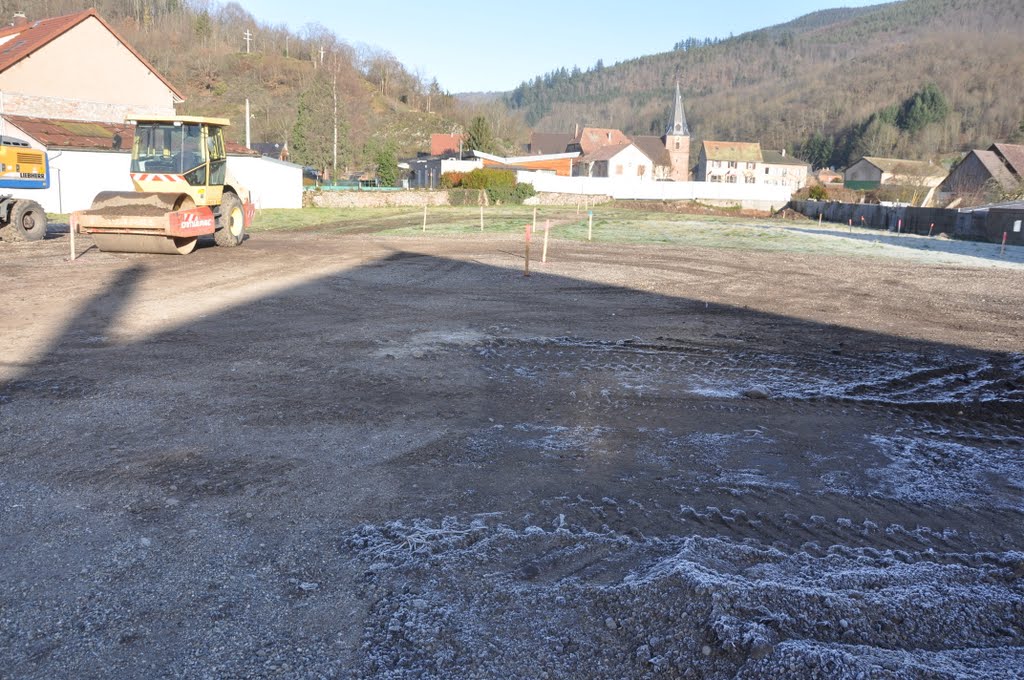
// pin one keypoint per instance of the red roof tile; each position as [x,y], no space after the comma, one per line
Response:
[23,40]
[55,133]
[442,144]
[591,139]
[606,153]
[74,134]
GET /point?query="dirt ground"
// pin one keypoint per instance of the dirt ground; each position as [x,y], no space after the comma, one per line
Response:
[361,456]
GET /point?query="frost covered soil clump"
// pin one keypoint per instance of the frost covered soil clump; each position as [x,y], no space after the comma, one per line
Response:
[480,599]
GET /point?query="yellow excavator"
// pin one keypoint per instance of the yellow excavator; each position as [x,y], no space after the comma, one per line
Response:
[182,191]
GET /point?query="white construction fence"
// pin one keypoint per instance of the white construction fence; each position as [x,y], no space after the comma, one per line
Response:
[748,196]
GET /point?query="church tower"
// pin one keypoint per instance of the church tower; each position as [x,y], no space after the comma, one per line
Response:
[677,142]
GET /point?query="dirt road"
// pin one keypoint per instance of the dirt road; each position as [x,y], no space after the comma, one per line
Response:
[318,456]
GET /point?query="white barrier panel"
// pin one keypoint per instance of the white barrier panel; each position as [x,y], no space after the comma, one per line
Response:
[648,190]
[272,183]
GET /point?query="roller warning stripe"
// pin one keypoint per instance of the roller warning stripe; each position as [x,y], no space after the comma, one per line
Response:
[147,177]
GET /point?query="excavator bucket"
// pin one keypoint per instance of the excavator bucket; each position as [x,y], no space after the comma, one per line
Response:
[145,222]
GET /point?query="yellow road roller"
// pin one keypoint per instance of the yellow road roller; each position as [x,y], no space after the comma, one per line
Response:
[182,191]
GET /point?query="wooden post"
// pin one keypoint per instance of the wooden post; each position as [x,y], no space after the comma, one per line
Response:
[481,218]
[930,227]
[526,270]
[71,230]
[424,217]
[590,225]
[899,226]
[544,250]
[535,218]
[851,225]
[819,219]
[1002,248]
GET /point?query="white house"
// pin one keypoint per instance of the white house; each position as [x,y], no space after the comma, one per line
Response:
[746,163]
[623,161]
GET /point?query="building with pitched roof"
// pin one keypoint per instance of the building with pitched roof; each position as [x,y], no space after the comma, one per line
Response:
[871,172]
[912,182]
[747,163]
[624,161]
[780,169]
[729,162]
[548,142]
[984,175]
[442,144]
[77,67]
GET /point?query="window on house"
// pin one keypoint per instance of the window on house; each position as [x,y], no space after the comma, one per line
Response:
[767,171]
[751,179]
[731,179]
[641,170]
[733,164]
[750,166]
[618,169]
[716,178]
[677,145]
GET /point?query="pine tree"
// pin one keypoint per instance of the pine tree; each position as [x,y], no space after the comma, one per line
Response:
[312,141]
[480,137]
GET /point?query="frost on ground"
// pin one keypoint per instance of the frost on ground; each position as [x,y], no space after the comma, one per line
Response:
[481,599]
[923,469]
[674,368]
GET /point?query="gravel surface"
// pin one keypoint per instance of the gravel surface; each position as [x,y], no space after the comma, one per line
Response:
[318,456]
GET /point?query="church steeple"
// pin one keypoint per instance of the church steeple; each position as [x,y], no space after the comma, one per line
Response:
[677,142]
[678,126]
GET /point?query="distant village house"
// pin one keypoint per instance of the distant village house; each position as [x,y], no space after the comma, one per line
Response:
[985,175]
[911,182]
[746,163]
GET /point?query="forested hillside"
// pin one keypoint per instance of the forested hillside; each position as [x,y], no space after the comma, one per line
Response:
[835,84]
[916,79]
[291,79]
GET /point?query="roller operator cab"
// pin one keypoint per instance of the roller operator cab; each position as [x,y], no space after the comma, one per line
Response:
[21,167]
[183,190]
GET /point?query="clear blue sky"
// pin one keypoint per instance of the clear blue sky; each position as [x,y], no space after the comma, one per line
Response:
[481,45]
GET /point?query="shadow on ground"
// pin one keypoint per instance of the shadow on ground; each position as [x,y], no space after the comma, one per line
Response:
[372,473]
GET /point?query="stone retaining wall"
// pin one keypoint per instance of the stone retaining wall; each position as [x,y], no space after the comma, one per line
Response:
[548,198]
[374,199]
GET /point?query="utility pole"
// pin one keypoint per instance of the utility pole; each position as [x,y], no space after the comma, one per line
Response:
[248,39]
[334,168]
